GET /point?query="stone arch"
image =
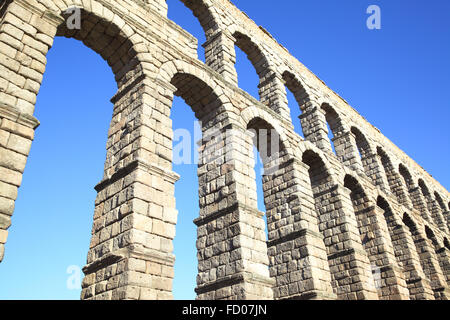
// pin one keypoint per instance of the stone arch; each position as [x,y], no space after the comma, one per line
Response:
[198,95]
[334,119]
[256,55]
[222,193]
[423,187]
[298,88]
[406,175]
[432,205]
[113,44]
[428,259]
[365,151]
[169,69]
[447,243]
[445,213]
[110,36]
[206,14]
[415,194]
[287,202]
[393,178]
[384,204]
[430,235]
[101,30]
[253,112]
[361,141]
[441,254]
[210,22]
[320,179]
[376,242]
[271,147]
[337,128]
[332,215]
[270,87]
[264,140]
[197,91]
[405,253]
[439,200]
[321,167]
[100,13]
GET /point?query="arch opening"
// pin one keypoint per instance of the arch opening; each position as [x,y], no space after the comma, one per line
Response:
[434,206]
[268,152]
[375,242]
[334,125]
[322,191]
[446,243]
[106,39]
[363,147]
[407,178]
[204,14]
[112,43]
[193,112]
[427,257]
[440,201]
[392,177]
[185,158]
[296,92]
[405,253]
[194,17]
[246,49]
[65,162]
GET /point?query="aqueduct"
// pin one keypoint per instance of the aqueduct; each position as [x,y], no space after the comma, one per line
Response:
[363,222]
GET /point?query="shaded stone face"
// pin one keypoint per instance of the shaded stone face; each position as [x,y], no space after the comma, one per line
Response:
[365,222]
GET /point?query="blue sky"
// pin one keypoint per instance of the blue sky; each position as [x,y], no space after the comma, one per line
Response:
[398,78]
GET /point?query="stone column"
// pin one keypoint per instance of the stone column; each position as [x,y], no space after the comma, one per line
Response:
[349,264]
[314,126]
[392,284]
[221,56]
[435,210]
[428,260]
[345,248]
[346,151]
[433,269]
[405,251]
[446,215]
[401,192]
[16,135]
[232,250]
[376,172]
[131,251]
[419,203]
[25,38]
[272,93]
[296,248]
[443,255]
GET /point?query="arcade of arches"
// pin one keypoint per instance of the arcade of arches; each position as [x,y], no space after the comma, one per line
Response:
[349,217]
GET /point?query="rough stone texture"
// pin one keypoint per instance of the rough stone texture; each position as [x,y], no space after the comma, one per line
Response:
[364,223]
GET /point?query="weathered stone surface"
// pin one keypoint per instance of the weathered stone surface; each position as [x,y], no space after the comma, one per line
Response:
[364,223]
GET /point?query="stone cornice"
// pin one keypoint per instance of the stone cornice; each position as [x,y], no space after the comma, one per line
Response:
[137,164]
[14,114]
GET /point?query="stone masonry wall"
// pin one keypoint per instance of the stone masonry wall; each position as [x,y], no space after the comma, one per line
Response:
[364,223]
